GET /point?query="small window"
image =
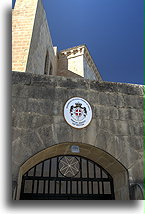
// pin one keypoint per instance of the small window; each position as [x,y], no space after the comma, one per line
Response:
[46,67]
[51,69]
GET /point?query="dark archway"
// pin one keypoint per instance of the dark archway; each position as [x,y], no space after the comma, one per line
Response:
[103,159]
[67,177]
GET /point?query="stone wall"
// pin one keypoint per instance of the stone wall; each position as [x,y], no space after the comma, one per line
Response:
[88,72]
[31,40]
[79,61]
[41,45]
[22,26]
[38,122]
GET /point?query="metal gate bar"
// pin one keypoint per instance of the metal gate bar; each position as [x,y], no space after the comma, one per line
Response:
[67,178]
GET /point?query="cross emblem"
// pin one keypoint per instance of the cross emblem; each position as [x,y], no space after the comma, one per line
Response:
[78,112]
[69,166]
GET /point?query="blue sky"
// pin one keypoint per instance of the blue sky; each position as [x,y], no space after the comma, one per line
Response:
[111,29]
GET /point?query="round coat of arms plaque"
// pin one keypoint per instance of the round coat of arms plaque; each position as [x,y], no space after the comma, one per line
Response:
[77,112]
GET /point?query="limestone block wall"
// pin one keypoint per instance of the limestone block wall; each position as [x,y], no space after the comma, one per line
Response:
[41,49]
[79,61]
[22,26]
[38,122]
[32,49]
[88,72]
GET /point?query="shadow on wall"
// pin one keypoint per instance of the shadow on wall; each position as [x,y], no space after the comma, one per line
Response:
[136,191]
[62,67]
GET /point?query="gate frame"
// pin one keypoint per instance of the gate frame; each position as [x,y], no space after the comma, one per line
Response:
[118,172]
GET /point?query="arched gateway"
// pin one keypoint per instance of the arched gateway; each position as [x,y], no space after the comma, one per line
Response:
[59,172]
[67,177]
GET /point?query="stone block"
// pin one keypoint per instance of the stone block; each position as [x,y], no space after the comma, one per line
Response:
[130,89]
[136,170]
[103,98]
[63,132]
[115,146]
[43,80]
[103,138]
[21,78]
[135,142]
[73,83]
[133,101]
[93,97]
[78,93]
[129,156]
[136,128]
[40,106]
[29,120]
[19,104]
[46,135]
[115,127]
[103,86]
[61,95]
[19,90]
[41,92]
[130,114]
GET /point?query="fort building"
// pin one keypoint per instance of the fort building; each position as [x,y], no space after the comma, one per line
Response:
[74,136]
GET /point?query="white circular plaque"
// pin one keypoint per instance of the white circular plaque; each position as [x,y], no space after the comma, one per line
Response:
[77,112]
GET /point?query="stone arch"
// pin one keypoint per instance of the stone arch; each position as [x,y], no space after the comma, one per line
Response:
[104,159]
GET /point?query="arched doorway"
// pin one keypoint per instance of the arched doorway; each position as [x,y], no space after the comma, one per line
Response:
[67,177]
[114,171]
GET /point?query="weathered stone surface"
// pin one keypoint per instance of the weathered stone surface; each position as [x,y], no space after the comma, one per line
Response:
[41,92]
[116,127]
[40,106]
[136,171]
[73,83]
[46,135]
[21,78]
[19,104]
[103,86]
[43,80]
[133,101]
[30,120]
[130,114]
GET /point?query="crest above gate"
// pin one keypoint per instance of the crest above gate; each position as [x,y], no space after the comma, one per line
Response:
[77,112]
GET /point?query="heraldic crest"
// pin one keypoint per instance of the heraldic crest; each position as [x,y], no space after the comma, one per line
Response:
[78,112]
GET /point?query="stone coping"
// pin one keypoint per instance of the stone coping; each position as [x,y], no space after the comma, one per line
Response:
[76,83]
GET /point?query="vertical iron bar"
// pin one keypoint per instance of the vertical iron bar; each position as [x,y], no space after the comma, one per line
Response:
[59,186]
[23,185]
[112,189]
[56,176]
[44,186]
[98,188]
[42,169]
[87,177]
[37,186]
[77,188]
[49,176]
[70,186]
[92,187]
[33,179]
[94,171]
[66,187]
[102,181]
[81,175]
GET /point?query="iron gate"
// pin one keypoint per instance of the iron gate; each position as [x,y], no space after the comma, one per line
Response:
[67,177]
